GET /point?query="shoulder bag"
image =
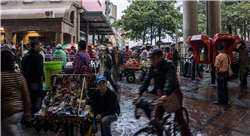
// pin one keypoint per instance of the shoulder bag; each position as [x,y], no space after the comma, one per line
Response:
[173,102]
[230,72]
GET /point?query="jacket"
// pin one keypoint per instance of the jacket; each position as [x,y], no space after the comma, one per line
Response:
[165,75]
[106,104]
[120,59]
[32,66]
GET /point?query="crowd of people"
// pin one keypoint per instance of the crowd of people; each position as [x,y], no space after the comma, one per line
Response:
[105,104]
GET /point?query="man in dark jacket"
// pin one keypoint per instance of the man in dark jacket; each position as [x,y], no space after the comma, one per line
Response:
[164,73]
[105,105]
[117,63]
[32,69]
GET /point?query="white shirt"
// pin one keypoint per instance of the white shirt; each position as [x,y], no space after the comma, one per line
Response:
[41,52]
[144,55]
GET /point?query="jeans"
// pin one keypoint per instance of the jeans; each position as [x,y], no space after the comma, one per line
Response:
[105,124]
[116,72]
[108,77]
[35,90]
[195,67]
[222,87]
[175,64]
[9,124]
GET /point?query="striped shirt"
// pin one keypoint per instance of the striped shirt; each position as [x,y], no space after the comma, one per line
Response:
[12,83]
[221,61]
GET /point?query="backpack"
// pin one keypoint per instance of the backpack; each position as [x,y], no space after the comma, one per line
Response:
[176,55]
[109,62]
[85,69]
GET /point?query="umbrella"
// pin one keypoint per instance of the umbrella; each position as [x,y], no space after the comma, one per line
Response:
[68,46]
[100,47]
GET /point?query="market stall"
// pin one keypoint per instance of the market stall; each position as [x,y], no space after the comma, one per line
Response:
[67,104]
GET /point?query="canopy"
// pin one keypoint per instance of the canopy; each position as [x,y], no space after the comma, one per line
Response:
[68,46]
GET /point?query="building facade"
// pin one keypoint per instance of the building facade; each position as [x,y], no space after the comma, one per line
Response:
[53,21]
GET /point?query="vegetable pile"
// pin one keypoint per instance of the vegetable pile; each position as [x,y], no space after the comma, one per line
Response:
[132,63]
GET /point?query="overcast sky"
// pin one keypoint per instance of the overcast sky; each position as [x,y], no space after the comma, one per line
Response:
[121,6]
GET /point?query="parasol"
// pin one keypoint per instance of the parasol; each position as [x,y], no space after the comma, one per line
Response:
[68,46]
[100,46]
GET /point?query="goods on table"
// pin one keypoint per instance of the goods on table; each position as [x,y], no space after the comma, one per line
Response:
[132,63]
[65,95]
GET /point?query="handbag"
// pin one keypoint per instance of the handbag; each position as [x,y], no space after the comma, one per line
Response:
[173,102]
[230,72]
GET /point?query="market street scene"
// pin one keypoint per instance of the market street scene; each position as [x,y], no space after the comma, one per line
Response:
[125,68]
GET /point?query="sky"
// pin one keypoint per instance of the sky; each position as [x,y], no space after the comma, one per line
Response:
[121,6]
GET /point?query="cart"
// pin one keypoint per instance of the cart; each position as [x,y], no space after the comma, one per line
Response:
[130,73]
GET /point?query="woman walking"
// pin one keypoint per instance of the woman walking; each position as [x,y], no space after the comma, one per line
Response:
[12,108]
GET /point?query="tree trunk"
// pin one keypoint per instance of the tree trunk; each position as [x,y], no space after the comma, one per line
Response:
[143,41]
[159,32]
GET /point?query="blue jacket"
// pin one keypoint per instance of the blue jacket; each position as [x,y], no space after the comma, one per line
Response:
[106,104]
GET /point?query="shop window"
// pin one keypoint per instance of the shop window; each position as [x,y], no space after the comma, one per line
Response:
[74,41]
[72,17]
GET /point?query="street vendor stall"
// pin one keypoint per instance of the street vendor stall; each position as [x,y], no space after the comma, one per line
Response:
[65,107]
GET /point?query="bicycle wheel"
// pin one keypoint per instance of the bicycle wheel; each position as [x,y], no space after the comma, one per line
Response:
[144,131]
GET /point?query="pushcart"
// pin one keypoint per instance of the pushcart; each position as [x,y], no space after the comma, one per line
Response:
[130,73]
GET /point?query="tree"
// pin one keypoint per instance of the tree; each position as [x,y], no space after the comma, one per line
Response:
[234,16]
[201,17]
[143,18]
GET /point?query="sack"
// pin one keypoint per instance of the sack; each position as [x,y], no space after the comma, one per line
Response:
[85,69]
[230,72]
[172,102]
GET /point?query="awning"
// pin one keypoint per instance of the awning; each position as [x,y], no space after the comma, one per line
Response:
[98,20]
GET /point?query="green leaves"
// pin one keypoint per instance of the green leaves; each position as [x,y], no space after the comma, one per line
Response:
[234,13]
[140,15]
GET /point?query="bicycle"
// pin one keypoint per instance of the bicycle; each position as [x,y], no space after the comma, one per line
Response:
[168,122]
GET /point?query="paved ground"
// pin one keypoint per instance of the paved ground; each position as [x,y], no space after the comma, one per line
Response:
[205,118]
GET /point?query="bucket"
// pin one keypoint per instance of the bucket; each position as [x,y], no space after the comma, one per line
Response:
[50,68]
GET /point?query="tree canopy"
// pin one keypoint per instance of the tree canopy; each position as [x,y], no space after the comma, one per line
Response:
[141,16]
[233,17]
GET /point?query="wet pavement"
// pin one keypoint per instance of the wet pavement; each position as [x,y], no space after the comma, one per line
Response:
[206,119]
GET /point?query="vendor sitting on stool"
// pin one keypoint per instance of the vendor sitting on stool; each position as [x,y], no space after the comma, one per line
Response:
[105,105]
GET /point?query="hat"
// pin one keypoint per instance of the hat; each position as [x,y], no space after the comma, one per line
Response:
[58,46]
[100,78]
[155,52]
[89,46]
[48,46]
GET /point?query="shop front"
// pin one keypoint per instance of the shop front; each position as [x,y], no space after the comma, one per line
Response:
[19,23]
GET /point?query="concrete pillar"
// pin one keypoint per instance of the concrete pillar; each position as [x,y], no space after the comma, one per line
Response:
[14,40]
[77,38]
[190,22]
[103,37]
[59,38]
[213,18]
[87,33]
[71,39]
[8,35]
[98,37]
[93,37]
